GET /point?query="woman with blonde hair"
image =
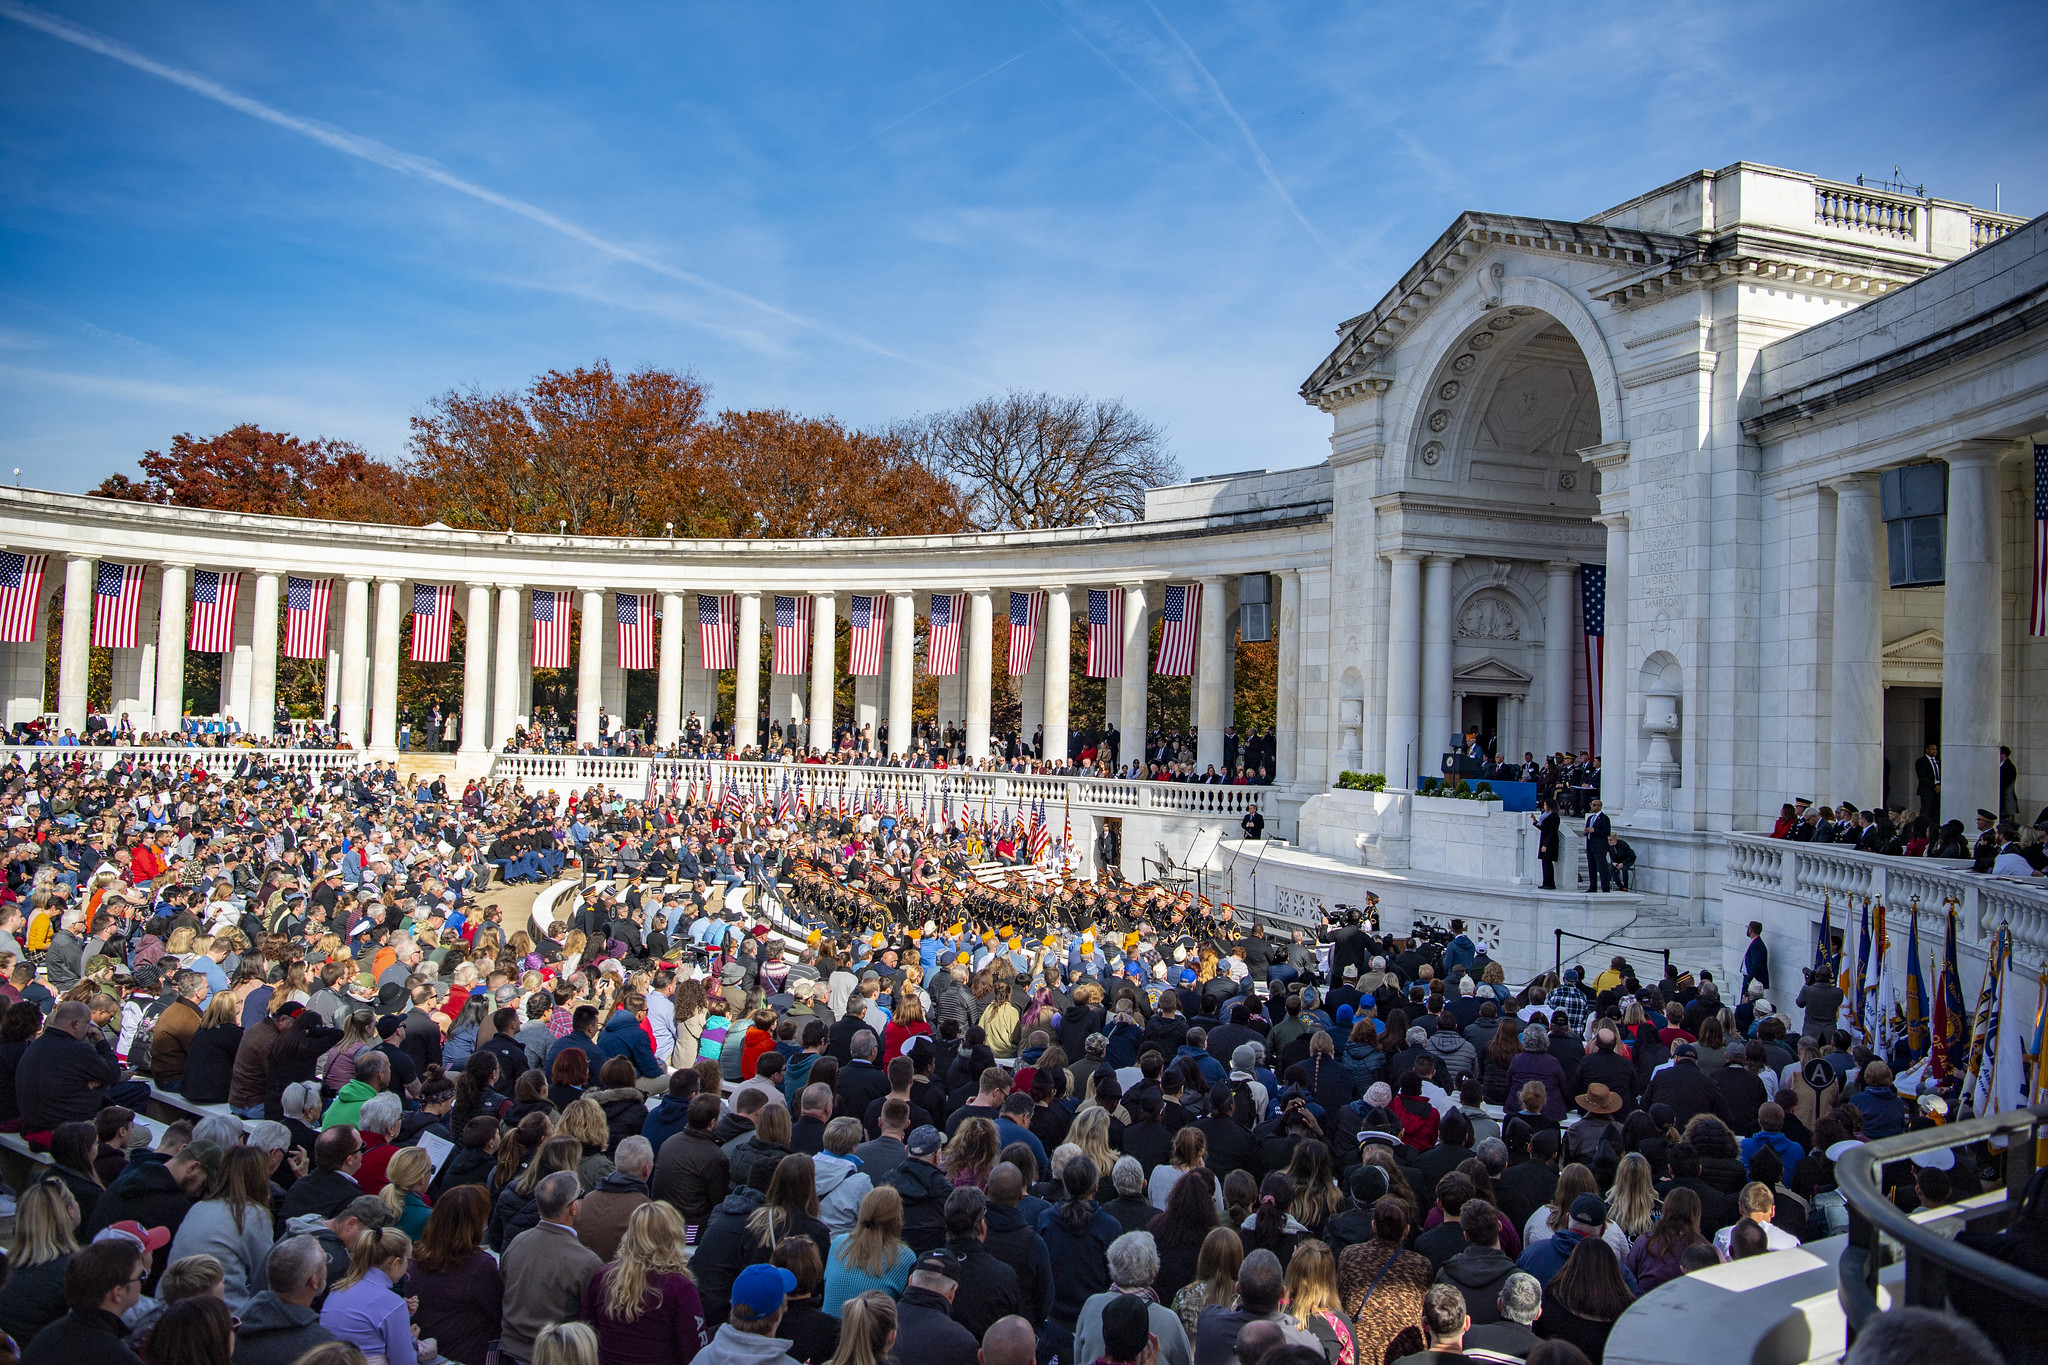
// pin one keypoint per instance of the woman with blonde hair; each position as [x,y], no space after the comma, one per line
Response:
[1215,1282]
[562,1343]
[584,1120]
[364,1310]
[518,1204]
[871,1258]
[338,1066]
[1632,1203]
[45,1236]
[1312,1298]
[405,1190]
[867,1331]
[645,1305]
[1552,1218]
[972,1153]
[1091,1134]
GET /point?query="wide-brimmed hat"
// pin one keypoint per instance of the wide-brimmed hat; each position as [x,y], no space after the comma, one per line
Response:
[1598,1099]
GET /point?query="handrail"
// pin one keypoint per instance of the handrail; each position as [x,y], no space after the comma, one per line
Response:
[1563,934]
[1855,1174]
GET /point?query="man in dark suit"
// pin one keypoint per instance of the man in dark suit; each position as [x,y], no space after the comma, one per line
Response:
[1547,841]
[1756,960]
[1599,874]
[1927,779]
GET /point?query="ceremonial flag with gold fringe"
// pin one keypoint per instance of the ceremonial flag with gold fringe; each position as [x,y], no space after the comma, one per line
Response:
[1951,1020]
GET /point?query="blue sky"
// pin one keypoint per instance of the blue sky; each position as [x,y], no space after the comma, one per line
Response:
[318,216]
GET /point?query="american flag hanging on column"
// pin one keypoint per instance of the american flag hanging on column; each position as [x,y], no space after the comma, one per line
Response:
[792,635]
[21,592]
[1593,608]
[213,611]
[1105,632]
[942,649]
[433,607]
[865,616]
[305,616]
[116,602]
[1180,614]
[1027,613]
[634,613]
[2037,620]
[550,628]
[717,616]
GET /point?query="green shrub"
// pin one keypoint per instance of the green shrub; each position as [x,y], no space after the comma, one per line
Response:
[1361,782]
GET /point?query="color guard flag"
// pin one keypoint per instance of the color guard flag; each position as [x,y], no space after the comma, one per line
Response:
[1915,1001]
[717,617]
[550,628]
[1951,1016]
[1180,614]
[1027,613]
[1593,609]
[2037,621]
[213,611]
[433,608]
[942,649]
[305,616]
[865,616]
[21,592]
[792,634]
[1041,831]
[116,602]
[1105,632]
[634,613]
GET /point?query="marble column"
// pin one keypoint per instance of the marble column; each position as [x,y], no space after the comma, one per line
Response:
[668,701]
[980,649]
[170,646]
[1438,723]
[1404,667]
[902,682]
[505,695]
[1856,735]
[74,646]
[1137,674]
[746,694]
[1213,663]
[384,698]
[1286,615]
[1057,643]
[589,665]
[1558,581]
[1612,742]
[355,651]
[1972,621]
[263,639]
[824,626]
[476,673]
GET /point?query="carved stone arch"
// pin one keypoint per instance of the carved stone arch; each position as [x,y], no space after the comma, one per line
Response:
[1527,608]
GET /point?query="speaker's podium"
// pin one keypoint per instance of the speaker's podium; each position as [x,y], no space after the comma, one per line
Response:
[1459,765]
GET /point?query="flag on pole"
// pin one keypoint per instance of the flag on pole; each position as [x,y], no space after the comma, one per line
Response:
[1915,1002]
[433,608]
[2037,619]
[732,796]
[213,611]
[1041,831]
[792,634]
[1951,1020]
[942,647]
[305,616]
[785,804]
[116,602]
[1998,1082]
[1027,614]
[1105,633]
[21,593]
[1826,960]
[1883,1008]
[1180,615]
[865,618]
[1856,993]
[717,617]
[550,628]
[1593,610]
[633,612]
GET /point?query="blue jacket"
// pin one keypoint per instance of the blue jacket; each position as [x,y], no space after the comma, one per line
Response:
[622,1036]
[1884,1113]
[1789,1152]
[1080,1260]
[664,1121]
[1546,1257]
[575,1040]
[1212,1070]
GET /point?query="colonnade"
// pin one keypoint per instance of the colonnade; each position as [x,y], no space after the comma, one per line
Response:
[365,634]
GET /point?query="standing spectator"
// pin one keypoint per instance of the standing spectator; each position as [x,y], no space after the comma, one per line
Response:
[873,1256]
[644,1305]
[608,1208]
[1261,1291]
[1384,1322]
[460,1289]
[1077,1233]
[691,1170]
[546,1267]
[364,1310]
[232,1224]
[748,1336]
[280,1324]
[1133,1267]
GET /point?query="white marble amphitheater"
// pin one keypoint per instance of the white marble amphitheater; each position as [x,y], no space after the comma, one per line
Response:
[1698,390]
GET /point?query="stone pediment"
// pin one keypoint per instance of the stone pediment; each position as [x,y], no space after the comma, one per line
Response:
[1490,676]
[1914,660]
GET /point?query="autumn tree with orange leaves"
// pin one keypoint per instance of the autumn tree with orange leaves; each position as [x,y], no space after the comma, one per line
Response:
[248,469]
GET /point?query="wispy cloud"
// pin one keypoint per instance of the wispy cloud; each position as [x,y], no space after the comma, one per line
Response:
[91,331]
[929,104]
[407,163]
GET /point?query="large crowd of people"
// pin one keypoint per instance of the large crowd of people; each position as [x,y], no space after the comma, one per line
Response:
[298,1088]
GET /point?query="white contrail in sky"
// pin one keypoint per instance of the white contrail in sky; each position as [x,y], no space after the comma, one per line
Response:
[406,163]
[897,123]
[1258,152]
